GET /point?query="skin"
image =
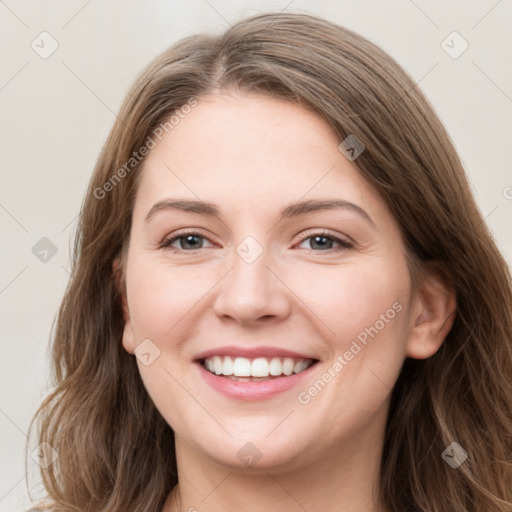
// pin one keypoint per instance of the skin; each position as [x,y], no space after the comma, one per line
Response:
[252,155]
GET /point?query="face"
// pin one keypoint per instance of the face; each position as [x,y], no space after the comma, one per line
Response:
[256,315]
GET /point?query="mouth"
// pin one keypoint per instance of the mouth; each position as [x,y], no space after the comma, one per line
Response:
[243,369]
[253,374]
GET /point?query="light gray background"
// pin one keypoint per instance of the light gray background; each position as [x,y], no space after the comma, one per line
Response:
[56,113]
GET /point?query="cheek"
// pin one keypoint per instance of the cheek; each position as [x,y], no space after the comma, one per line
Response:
[366,308]
[160,296]
[355,301]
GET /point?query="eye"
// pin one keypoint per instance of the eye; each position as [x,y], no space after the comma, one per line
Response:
[191,240]
[187,241]
[324,241]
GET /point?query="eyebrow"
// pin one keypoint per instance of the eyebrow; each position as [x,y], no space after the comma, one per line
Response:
[290,211]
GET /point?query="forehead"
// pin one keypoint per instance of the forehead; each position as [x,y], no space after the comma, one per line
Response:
[252,149]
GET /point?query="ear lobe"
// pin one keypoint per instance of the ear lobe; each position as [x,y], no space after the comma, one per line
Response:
[433,312]
[128,339]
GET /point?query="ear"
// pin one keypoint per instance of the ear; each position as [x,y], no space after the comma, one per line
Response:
[120,283]
[433,310]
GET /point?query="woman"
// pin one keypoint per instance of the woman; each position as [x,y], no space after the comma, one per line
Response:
[283,294]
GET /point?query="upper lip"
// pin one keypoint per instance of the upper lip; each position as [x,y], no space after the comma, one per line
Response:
[250,352]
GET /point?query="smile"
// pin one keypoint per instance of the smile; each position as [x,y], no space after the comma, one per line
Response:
[257,369]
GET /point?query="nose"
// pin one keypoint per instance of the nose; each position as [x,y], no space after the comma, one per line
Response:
[252,292]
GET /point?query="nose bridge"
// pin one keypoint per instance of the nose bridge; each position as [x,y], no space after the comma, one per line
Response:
[250,268]
[251,290]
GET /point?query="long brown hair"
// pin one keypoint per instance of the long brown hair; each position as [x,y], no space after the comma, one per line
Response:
[116,452]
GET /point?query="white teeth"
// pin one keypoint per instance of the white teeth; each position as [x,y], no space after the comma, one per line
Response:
[228,366]
[276,368]
[288,365]
[300,366]
[260,367]
[217,364]
[242,367]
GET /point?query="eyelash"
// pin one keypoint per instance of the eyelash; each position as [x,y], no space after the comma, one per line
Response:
[344,244]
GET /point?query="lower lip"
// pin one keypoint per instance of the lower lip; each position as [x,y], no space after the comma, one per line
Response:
[252,390]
